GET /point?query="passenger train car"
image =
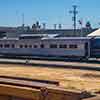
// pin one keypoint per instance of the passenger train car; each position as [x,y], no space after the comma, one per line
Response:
[95,47]
[68,47]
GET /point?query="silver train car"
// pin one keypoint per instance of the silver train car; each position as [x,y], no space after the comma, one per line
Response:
[69,47]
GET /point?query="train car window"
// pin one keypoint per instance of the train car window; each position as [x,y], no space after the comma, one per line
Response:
[53,46]
[30,46]
[41,46]
[35,46]
[73,46]
[6,45]
[63,46]
[26,46]
[13,46]
[1,46]
[21,46]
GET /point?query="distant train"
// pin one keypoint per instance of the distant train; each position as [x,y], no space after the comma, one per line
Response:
[39,45]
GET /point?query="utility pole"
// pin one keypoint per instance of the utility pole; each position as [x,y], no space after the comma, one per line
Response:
[23,20]
[23,24]
[74,12]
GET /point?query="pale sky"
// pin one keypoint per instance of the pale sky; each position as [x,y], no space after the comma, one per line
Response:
[48,11]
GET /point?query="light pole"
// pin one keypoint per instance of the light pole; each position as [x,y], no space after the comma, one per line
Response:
[23,24]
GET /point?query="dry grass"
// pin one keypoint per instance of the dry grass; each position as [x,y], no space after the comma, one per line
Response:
[68,78]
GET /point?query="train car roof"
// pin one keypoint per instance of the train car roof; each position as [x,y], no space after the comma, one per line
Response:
[54,38]
[5,38]
[69,38]
[39,35]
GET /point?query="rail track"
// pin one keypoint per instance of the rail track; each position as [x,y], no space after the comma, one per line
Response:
[50,63]
[29,89]
[27,81]
[35,89]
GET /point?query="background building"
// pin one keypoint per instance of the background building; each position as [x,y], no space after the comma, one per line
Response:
[13,32]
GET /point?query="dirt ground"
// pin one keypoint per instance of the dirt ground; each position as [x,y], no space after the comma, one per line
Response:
[68,78]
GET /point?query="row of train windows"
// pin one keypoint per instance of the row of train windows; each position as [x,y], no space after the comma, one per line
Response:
[64,46]
[73,46]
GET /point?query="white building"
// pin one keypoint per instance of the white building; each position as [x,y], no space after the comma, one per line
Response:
[95,33]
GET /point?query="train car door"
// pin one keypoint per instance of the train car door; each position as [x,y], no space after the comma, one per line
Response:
[86,49]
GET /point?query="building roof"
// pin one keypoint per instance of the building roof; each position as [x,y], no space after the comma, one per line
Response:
[95,33]
[51,32]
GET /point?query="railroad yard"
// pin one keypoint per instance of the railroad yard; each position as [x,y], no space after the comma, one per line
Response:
[69,78]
